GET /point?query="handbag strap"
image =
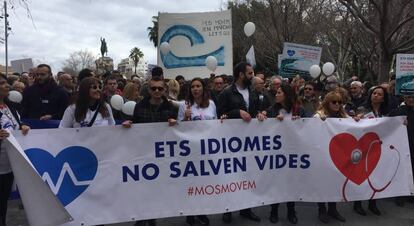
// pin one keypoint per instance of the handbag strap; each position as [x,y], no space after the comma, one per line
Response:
[94,117]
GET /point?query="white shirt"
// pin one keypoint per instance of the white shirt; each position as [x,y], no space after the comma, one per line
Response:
[198,113]
[9,123]
[69,121]
[245,93]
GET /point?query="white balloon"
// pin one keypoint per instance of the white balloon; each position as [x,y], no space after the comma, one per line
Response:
[315,71]
[116,102]
[165,48]
[15,96]
[249,28]
[328,68]
[129,107]
[211,63]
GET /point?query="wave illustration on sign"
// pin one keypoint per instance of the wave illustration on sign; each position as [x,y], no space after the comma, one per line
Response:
[170,60]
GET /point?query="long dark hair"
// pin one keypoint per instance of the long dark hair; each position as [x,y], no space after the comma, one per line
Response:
[83,100]
[290,98]
[384,105]
[205,96]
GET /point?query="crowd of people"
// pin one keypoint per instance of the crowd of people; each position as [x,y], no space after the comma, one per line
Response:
[84,101]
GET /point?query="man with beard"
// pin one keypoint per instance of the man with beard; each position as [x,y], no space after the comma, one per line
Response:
[238,101]
[44,100]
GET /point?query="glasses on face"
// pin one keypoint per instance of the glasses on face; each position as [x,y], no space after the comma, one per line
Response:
[96,87]
[307,88]
[42,74]
[157,88]
[336,102]
[218,83]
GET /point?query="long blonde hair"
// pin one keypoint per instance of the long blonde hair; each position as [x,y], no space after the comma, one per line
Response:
[130,92]
[332,96]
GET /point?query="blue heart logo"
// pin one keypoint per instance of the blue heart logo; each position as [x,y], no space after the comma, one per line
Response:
[291,52]
[68,174]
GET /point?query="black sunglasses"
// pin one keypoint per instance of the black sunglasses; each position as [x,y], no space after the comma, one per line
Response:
[157,88]
[336,102]
[96,86]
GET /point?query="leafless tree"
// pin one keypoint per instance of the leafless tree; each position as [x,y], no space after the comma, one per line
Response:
[391,23]
[79,60]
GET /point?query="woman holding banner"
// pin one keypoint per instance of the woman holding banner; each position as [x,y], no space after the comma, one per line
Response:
[332,107]
[9,121]
[197,106]
[89,109]
[376,107]
[285,107]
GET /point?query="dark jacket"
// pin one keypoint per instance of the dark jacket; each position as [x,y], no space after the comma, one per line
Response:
[409,112]
[40,100]
[230,102]
[144,112]
[214,96]
[356,106]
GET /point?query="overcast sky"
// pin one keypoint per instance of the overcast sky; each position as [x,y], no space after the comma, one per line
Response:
[61,27]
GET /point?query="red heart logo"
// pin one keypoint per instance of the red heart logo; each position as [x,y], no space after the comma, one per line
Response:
[341,148]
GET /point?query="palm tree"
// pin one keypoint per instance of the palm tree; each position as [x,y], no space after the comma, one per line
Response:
[136,55]
[153,31]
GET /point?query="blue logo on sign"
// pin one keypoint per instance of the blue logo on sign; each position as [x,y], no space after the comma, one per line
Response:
[68,174]
[291,52]
[170,60]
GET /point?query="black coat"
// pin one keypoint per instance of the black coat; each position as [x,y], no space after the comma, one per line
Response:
[230,102]
[40,100]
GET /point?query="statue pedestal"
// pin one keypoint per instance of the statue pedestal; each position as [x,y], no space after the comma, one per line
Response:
[104,64]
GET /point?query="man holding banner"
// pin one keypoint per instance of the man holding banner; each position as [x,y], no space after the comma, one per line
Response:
[155,108]
[238,101]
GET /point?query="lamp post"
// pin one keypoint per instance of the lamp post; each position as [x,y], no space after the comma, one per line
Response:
[6,35]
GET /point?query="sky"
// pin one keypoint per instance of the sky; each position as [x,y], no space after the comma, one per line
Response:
[61,27]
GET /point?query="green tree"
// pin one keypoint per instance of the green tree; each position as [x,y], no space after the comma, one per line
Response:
[135,56]
[153,31]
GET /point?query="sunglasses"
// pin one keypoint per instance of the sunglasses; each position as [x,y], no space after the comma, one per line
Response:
[41,74]
[157,88]
[336,102]
[96,86]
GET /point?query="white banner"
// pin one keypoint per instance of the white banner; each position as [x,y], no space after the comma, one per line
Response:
[405,74]
[192,37]
[110,174]
[297,59]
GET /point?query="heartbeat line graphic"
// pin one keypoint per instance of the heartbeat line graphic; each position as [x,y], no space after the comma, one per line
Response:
[65,169]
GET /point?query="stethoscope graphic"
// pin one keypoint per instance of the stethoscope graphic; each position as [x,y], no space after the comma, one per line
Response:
[356,157]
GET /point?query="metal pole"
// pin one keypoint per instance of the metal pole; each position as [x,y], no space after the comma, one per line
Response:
[6,27]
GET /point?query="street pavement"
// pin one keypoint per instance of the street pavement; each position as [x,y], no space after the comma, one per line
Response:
[392,215]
